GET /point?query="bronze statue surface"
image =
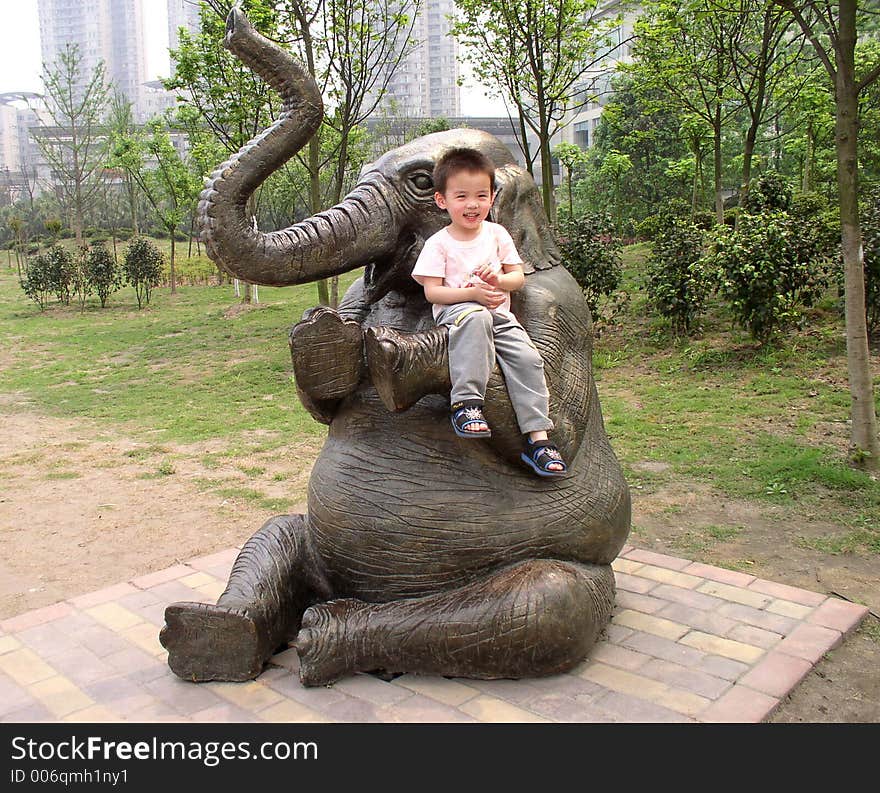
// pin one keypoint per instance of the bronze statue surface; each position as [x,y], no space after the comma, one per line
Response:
[419,552]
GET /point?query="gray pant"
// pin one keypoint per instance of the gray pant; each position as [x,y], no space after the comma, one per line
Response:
[477,338]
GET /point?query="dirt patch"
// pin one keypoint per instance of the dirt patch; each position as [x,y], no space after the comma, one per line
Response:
[81,509]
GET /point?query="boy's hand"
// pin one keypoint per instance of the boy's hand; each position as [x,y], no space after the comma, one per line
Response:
[487,274]
[488,296]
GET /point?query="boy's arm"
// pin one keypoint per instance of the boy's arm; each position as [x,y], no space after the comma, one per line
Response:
[435,292]
[510,279]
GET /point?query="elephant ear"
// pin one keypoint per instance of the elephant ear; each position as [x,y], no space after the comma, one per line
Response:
[519,208]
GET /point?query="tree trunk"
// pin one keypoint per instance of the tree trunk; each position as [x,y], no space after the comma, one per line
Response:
[807,184]
[864,440]
[171,268]
[748,154]
[716,138]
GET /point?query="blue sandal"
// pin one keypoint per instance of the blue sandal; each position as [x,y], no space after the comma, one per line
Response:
[540,455]
[468,414]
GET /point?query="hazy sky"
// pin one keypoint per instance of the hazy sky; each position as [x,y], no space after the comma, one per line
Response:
[20,59]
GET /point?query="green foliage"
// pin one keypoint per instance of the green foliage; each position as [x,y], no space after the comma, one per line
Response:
[591,253]
[37,281]
[870,222]
[142,265]
[678,281]
[61,272]
[102,272]
[771,191]
[771,267]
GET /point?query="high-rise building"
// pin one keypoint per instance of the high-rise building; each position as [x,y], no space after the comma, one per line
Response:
[181,14]
[111,31]
[425,85]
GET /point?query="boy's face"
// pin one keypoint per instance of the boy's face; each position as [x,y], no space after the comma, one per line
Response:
[468,199]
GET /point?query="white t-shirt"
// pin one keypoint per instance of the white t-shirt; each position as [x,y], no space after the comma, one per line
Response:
[455,261]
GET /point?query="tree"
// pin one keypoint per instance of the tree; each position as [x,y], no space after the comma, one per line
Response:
[572,158]
[681,48]
[539,55]
[74,145]
[832,30]
[142,265]
[122,129]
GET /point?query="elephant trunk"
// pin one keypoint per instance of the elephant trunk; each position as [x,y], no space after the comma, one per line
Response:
[332,242]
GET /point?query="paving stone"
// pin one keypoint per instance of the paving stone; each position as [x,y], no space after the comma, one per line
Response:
[251,696]
[181,696]
[657,559]
[47,640]
[839,615]
[113,616]
[75,624]
[154,614]
[569,685]
[627,708]
[786,608]
[621,657]
[59,696]
[12,696]
[706,621]
[684,702]
[221,558]
[749,634]
[120,695]
[670,577]
[102,641]
[740,705]
[447,692]
[36,617]
[759,618]
[31,713]
[645,622]
[419,709]
[616,633]
[644,603]
[486,708]
[138,599]
[82,666]
[737,594]
[352,711]
[786,592]
[372,690]
[289,659]
[110,593]
[776,674]
[94,714]
[632,583]
[726,647]
[620,565]
[687,597]
[810,642]
[196,579]
[315,697]
[288,711]
[623,681]
[173,591]
[225,713]
[719,666]
[211,591]
[145,636]
[685,678]
[130,660]
[559,708]
[666,649]
[719,574]
[24,666]
[156,711]
[161,576]
[517,692]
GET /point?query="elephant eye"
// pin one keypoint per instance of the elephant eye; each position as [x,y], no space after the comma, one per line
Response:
[421,181]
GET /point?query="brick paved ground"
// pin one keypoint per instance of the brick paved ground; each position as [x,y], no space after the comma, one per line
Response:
[688,642]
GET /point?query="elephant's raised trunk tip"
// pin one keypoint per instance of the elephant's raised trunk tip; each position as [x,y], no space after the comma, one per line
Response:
[236,23]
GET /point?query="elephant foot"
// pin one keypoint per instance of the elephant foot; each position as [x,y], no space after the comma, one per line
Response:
[208,642]
[324,644]
[328,355]
[405,367]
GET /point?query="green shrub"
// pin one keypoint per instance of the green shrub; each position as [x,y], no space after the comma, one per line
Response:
[678,281]
[770,268]
[37,282]
[591,253]
[102,273]
[61,271]
[770,191]
[142,265]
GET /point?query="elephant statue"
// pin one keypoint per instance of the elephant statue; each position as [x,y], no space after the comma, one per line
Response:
[420,552]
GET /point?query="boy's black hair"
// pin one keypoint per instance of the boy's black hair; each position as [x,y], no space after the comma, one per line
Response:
[461,159]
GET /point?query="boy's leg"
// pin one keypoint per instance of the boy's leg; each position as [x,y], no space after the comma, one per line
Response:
[471,351]
[523,370]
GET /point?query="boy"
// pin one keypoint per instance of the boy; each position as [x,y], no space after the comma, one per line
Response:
[468,271]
